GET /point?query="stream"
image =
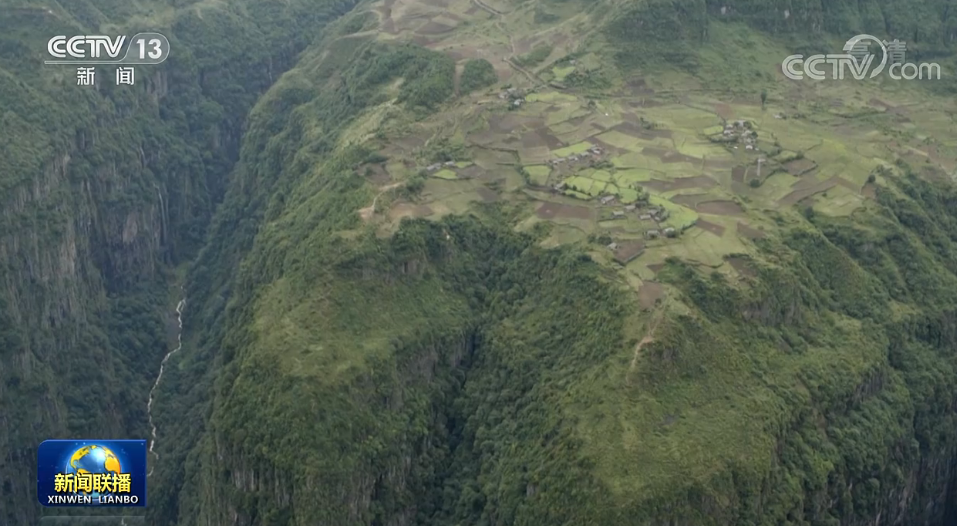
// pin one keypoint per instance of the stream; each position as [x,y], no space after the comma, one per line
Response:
[149,404]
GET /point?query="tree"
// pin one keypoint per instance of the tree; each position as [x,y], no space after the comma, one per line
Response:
[764,98]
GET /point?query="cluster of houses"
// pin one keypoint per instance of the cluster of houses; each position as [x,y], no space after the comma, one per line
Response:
[741,131]
[514,96]
[434,167]
[587,154]
[658,214]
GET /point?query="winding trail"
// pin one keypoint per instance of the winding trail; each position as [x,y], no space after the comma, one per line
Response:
[149,404]
[649,338]
[511,43]
[367,212]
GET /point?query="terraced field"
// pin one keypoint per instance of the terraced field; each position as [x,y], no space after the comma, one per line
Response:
[652,152]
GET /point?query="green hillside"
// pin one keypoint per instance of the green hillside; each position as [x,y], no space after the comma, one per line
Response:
[469,262]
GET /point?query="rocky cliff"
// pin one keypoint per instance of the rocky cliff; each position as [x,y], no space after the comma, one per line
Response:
[103,191]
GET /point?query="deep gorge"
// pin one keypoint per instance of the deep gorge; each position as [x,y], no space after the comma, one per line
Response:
[466,404]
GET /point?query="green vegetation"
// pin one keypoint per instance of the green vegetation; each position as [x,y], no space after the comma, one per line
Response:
[535,57]
[104,193]
[477,74]
[368,343]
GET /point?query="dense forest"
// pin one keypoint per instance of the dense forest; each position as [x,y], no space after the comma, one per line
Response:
[449,373]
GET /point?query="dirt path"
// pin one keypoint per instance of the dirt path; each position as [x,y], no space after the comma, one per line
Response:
[149,403]
[367,212]
[511,44]
[650,337]
[486,7]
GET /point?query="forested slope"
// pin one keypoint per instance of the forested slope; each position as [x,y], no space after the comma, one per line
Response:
[102,192]
[458,370]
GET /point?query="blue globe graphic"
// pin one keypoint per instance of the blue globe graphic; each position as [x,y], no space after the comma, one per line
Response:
[93,459]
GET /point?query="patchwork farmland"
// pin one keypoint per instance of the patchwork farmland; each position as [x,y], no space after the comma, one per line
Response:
[654,160]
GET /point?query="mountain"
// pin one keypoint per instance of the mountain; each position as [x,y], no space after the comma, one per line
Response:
[488,262]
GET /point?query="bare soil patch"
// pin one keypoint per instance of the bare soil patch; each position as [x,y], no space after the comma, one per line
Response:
[717,230]
[613,150]
[507,123]
[388,26]
[551,141]
[533,140]
[376,174]
[869,191]
[798,195]
[422,40]
[638,86]
[799,167]
[460,54]
[409,210]
[671,156]
[485,138]
[487,194]
[524,45]
[720,208]
[718,164]
[738,173]
[558,210]
[645,102]
[649,294]
[656,267]
[847,184]
[742,266]
[677,157]
[409,143]
[931,152]
[935,173]
[577,121]
[630,118]
[628,250]
[471,172]
[635,129]
[724,111]
[749,232]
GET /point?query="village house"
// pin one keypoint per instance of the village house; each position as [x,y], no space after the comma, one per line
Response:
[671,232]
[607,199]
[653,234]
[613,246]
[433,167]
[450,163]
[645,217]
[560,186]
[629,208]
[618,214]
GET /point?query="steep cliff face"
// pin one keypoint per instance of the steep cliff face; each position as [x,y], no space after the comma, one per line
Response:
[104,190]
[455,372]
